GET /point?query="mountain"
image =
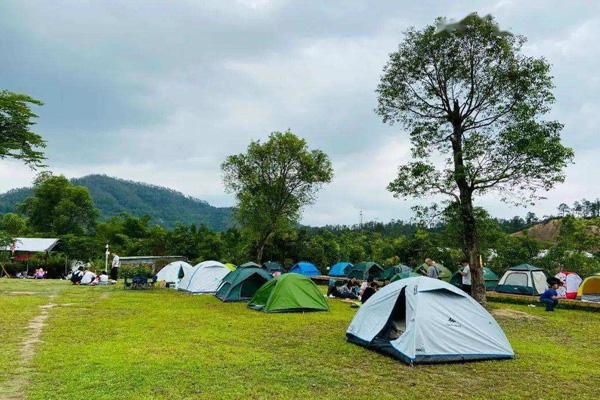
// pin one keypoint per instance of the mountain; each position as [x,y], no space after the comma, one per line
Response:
[115,196]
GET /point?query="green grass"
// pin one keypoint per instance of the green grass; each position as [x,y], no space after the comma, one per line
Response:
[108,343]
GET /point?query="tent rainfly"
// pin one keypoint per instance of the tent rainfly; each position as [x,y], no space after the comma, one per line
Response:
[523,279]
[390,272]
[205,277]
[424,320]
[289,293]
[340,269]
[305,268]
[170,273]
[242,284]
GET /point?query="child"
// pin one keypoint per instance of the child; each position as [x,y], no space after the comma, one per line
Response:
[550,296]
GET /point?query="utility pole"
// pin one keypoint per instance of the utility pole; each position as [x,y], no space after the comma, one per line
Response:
[361,220]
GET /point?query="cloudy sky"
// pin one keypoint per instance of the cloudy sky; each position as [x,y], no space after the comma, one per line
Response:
[163,91]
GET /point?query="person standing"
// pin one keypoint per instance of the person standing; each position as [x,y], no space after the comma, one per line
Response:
[116,264]
[465,273]
[432,270]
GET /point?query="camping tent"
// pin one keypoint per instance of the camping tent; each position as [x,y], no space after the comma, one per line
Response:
[390,272]
[404,275]
[570,284]
[305,268]
[170,272]
[523,279]
[289,293]
[205,277]
[242,284]
[365,270]
[250,264]
[340,269]
[443,273]
[589,290]
[422,320]
[490,278]
[273,266]
[230,266]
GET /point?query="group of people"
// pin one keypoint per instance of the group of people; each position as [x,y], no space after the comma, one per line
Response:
[353,289]
[83,276]
[39,273]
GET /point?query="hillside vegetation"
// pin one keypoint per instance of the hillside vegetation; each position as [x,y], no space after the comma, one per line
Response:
[114,196]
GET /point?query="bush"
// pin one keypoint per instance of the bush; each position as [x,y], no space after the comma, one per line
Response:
[129,271]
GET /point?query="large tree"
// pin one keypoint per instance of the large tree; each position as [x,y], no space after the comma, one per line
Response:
[17,141]
[473,104]
[272,182]
[60,207]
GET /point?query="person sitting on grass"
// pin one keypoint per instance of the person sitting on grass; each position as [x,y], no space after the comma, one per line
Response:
[103,278]
[346,291]
[88,277]
[76,276]
[368,292]
[39,273]
[550,295]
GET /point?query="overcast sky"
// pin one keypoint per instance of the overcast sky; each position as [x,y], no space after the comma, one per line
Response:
[163,91]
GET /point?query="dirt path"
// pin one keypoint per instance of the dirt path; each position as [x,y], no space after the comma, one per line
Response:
[15,387]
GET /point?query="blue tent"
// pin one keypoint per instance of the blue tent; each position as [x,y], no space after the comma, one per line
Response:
[340,269]
[305,268]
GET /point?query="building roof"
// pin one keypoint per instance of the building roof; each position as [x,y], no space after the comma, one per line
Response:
[32,245]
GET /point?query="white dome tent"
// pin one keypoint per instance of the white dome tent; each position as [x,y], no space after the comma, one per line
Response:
[424,320]
[170,272]
[204,278]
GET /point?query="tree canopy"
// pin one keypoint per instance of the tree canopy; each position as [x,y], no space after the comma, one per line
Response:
[473,104]
[59,207]
[272,182]
[17,141]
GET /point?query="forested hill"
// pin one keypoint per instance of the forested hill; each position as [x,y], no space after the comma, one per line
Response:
[115,196]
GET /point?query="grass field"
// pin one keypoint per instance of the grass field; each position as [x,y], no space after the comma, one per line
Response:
[109,343]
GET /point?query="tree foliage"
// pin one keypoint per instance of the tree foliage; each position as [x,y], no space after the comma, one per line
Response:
[59,207]
[17,141]
[272,182]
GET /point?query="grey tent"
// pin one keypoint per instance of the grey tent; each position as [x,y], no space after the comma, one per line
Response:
[424,320]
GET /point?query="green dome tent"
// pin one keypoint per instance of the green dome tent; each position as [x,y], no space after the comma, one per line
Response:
[365,270]
[523,279]
[242,284]
[273,266]
[390,272]
[444,273]
[490,278]
[404,275]
[289,293]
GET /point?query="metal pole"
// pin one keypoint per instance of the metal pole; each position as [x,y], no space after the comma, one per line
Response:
[106,253]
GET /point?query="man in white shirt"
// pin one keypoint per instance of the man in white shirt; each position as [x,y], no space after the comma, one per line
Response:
[465,273]
[114,270]
[88,277]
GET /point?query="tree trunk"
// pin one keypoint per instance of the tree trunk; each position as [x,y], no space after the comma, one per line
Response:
[259,251]
[473,251]
[470,237]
